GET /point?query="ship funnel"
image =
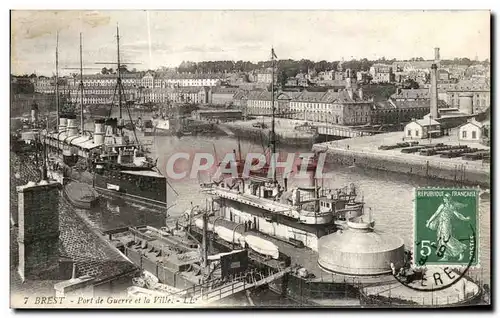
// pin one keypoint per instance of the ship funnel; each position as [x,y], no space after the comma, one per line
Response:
[306,168]
[62,123]
[99,131]
[34,113]
[71,127]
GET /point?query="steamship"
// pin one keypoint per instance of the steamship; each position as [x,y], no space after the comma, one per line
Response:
[112,163]
[117,166]
[324,231]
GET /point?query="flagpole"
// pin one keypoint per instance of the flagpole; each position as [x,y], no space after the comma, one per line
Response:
[273,139]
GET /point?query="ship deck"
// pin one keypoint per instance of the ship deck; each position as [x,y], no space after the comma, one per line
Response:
[380,285]
[308,259]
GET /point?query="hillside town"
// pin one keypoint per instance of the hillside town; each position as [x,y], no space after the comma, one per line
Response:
[381,94]
[265,173]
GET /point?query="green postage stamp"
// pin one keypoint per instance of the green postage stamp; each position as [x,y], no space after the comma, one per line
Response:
[446,228]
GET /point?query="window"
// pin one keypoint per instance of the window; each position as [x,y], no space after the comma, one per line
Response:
[464,134]
[409,132]
[474,135]
[416,132]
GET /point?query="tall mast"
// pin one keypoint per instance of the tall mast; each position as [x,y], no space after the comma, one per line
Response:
[273,134]
[82,123]
[119,80]
[57,78]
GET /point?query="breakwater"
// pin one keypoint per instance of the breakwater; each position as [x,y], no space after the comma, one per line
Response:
[463,173]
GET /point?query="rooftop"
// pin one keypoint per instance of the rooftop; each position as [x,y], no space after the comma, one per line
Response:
[93,255]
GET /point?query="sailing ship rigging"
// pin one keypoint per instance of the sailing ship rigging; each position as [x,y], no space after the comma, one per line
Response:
[113,164]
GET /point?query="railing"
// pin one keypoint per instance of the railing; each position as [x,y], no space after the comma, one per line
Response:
[216,290]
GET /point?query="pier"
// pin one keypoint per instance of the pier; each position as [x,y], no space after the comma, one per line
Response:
[364,152]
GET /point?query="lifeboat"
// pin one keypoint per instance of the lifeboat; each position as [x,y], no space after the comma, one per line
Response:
[199,224]
[262,246]
[230,236]
[81,195]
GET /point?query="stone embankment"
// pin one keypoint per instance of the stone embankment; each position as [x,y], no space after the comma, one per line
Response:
[364,152]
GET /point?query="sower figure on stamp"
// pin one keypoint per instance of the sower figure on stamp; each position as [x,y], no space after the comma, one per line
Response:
[440,222]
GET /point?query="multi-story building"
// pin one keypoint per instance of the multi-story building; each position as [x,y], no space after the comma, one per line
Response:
[240,99]
[44,85]
[344,107]
[396,112]
[186,79]
[222,95]
[412,66]
[381,73]
[188,95]
[265,76]
[480,91]
[259,103]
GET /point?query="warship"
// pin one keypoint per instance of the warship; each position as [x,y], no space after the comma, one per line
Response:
[106,156]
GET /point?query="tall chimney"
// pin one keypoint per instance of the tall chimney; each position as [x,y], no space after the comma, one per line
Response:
[437,58]
[434,92]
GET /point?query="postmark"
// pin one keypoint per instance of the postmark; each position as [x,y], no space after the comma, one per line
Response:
[446,227]
[434,278]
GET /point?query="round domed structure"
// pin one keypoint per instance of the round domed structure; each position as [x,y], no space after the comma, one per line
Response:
[360,250]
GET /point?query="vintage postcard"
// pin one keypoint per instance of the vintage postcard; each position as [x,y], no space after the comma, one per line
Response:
[199,159]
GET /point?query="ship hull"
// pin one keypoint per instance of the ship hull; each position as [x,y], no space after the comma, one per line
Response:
[279,226]
[145,190]
[162,132]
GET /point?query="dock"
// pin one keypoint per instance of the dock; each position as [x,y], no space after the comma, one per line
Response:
[365,152]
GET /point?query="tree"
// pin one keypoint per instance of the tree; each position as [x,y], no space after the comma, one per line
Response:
[123,69]
[282,78]
[104,71]
[410,83]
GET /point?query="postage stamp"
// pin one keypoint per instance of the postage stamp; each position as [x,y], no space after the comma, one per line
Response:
[446,228]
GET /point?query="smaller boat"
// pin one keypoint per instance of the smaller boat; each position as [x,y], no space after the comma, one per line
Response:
[81,195]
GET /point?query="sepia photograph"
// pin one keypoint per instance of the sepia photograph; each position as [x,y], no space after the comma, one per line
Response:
[250,159]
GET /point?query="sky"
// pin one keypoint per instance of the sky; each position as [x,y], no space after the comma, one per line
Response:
[166,38]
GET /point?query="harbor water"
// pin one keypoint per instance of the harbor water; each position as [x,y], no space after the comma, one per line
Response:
[390,195]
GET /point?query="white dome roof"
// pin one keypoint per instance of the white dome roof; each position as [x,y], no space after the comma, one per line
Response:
[360,238]
[360,250]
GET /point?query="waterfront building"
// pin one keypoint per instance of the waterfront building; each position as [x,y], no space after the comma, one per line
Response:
[188,95]
[259,103]
[393,112]
[190,80]
[422,129]
[222,95]
[471,131]
[240,99]
[344,107]
[44,85]
[217,115]
[480,94]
